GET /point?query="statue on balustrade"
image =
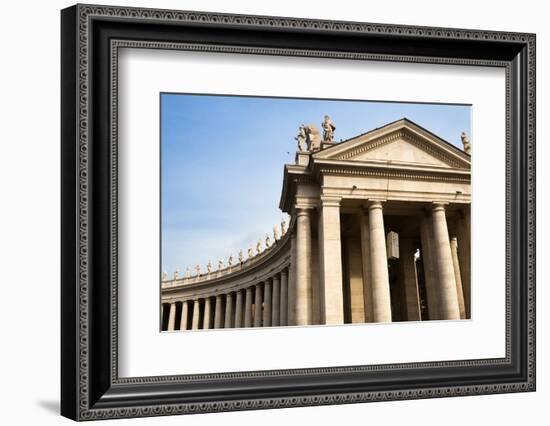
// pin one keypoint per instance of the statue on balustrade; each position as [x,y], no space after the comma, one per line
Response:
[466,143]
[301,138]
[328,129]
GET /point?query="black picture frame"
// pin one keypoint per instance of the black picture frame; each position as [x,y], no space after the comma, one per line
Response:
[90,386]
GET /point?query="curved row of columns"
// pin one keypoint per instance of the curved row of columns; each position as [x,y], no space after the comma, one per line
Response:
[264,304]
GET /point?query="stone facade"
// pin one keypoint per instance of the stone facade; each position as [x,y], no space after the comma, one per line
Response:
[399,185]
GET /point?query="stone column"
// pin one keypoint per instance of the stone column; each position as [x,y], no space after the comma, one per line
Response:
[408,278]
[228,323]
[276,302]
[161,316]
[464,256]
[239,309]
[291,307]
[430,271]
[184,315]
[172,317]
[206,323]
[303,267]
[258,306]
[381,298]
[330,260]
[196,315]
[458,278]
[365,257]
[267,303]
[283,316]
[448,299]
[218,316]
[248,308]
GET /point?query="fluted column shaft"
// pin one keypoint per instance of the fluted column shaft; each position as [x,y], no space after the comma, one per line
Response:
[239,309]
[408,278]
[366,261]
[184,315]
[267,304]
[430,270]
[464,256]
[283,320]
[258,311]
[303,267]
[248,308]
[218,316]
[172,317]
[196,315]
[458,278]
[330,260]
[448,298]
[276,301]
[291,306]
[228,323]
[381,298]
[206,322]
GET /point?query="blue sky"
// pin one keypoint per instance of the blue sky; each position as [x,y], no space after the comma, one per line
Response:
[223,158]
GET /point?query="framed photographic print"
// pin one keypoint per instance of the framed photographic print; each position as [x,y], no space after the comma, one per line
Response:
[263,212]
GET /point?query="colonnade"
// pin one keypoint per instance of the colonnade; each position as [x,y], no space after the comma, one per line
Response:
[262,304]
[446,266]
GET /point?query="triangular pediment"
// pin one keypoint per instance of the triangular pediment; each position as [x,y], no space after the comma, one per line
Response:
[400,142]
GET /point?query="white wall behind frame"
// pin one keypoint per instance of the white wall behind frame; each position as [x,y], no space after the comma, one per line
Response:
[199,72]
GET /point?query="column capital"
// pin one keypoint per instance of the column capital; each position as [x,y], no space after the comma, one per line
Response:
[330,201]
[303,210]
[374,204]
[438,206]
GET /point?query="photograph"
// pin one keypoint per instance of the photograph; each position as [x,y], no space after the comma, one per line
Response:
[281,212]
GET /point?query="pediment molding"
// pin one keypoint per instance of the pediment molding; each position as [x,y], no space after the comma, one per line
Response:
[401,130]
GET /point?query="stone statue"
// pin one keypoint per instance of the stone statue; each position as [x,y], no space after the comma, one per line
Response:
[259,247]
[209,267]
[267,241]
[241,256]
[198,269]
[176,273]
[250,254]
[313,138]
[164,276]
[301,138]
[466,143]
[283,226]
[328,129]
[275,233]
[220,264]
[187,272]
[230,260]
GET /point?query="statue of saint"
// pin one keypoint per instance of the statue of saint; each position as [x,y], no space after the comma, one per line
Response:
[301,138]
[230,260]
[209,267]
[466,143]
[176,273]
[220,264]
[313,138]
[267,241]
[275,233]
[198,269]
[283,226]
[187,272]
[250,254]
[328,129]
[259,247]
[241,256]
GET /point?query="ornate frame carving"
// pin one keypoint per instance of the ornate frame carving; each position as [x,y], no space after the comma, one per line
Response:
[91,388]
